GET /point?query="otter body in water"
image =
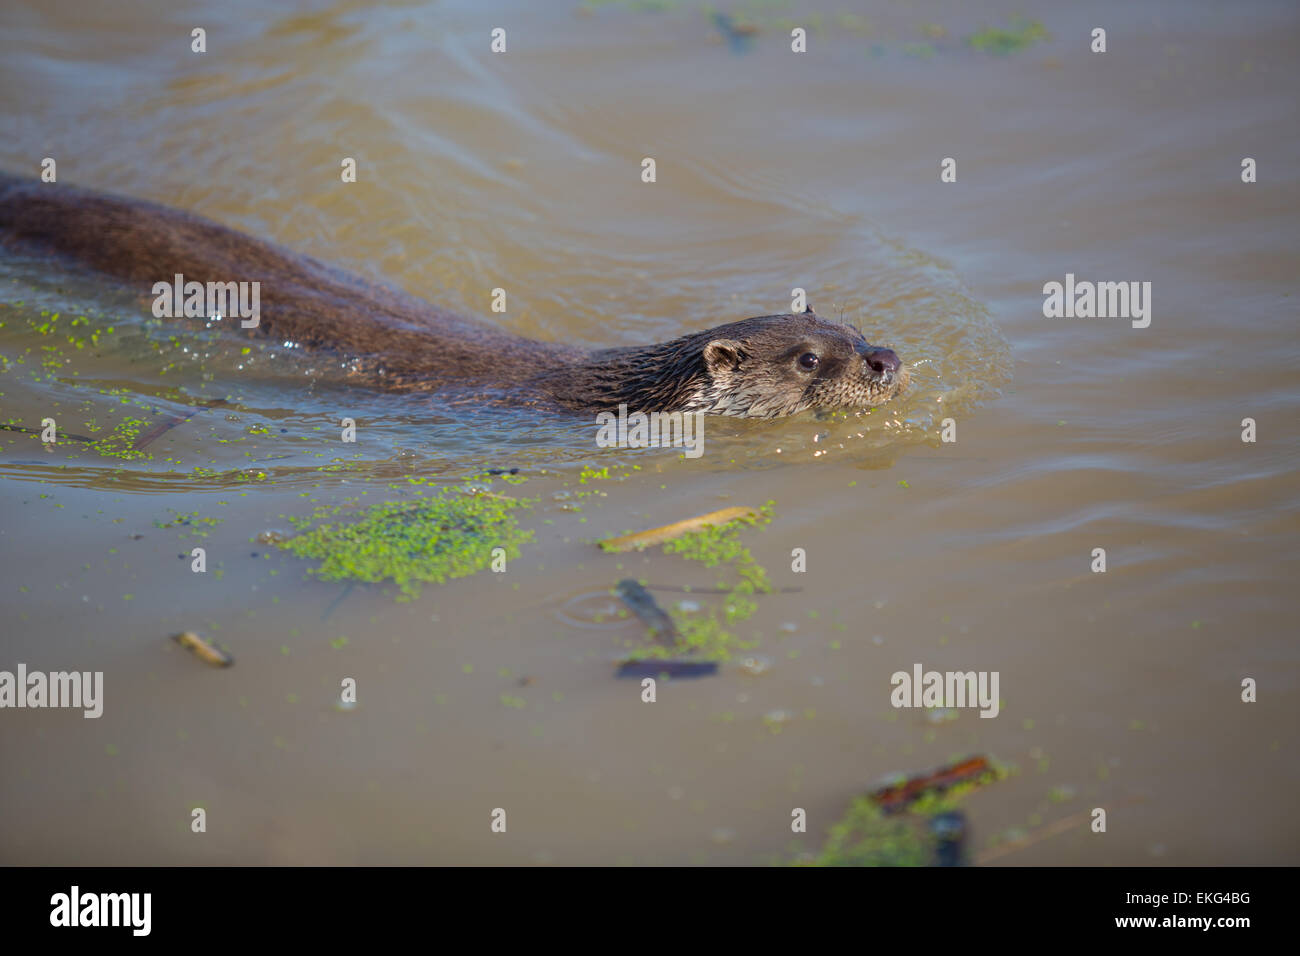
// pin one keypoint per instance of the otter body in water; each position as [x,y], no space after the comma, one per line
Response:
[761,367]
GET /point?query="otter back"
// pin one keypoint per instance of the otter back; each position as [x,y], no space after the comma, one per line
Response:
[399,342]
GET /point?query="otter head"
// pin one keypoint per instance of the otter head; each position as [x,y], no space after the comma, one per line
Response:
[775,365]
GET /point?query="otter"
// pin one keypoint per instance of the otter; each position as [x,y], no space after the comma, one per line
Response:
[762,367]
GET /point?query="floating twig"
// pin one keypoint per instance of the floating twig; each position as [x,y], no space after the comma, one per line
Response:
[168,424]
[202,649]
[1048,830]
[899,796]
[644,539]
[645,607]
[37,431]
[347,589]
[651,668]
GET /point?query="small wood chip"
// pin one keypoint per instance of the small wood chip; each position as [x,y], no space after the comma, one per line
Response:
[202,649]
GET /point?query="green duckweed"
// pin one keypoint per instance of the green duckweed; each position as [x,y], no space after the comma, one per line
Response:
[1020,35]
[448,535]
[709,634]
[867,836]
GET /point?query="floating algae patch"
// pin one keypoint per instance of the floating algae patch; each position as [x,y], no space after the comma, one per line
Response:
[709,634]
[121,441]
[449,535]
[195,524]
[1020,35]
[866,836]
[870,834]
[747,22]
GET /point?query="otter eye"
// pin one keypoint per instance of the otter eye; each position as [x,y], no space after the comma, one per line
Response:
[808,361]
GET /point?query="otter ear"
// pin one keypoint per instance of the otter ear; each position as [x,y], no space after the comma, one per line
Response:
[722,355]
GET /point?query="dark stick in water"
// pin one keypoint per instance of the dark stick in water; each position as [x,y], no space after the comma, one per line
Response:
[645,607]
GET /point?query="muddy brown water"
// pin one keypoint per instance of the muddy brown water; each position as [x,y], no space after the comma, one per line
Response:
[1119,690]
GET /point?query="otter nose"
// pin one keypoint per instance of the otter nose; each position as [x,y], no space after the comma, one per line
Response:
[882,361]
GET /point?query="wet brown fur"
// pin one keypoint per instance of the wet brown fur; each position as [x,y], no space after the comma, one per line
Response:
[399,343]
